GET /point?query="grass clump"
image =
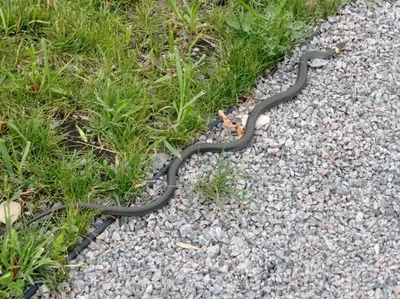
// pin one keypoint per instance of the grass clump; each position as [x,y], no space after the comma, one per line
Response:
[29,257]
[91,90]
[221,184]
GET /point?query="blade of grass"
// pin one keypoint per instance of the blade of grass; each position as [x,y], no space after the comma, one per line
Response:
[172,149]
[24,156]
[3,77]
[191,102]
[175,10]
[6,158]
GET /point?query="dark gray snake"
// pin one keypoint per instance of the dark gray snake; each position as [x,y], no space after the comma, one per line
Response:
[207,147]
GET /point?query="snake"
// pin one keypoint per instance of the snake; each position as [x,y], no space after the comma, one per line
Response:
[197,148]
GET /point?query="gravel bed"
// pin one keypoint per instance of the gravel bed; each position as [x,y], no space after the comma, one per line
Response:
[318,215]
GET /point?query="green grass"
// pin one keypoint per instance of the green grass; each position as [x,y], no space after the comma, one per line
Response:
[125,70]
[221,184]
[27,257]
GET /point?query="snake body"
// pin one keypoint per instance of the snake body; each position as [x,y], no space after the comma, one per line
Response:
[207,147]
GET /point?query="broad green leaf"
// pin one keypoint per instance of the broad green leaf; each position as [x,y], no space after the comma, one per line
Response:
[247,22]
[234,24]
[6,279]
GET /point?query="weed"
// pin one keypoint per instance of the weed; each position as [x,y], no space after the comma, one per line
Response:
[222,183]
[188,15]
[184,105]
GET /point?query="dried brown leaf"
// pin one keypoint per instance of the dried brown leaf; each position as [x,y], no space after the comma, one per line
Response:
[227,122]
[240,131]
[9,209]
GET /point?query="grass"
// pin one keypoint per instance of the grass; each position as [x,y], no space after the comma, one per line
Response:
[91,90]
[27,257]
[221,183]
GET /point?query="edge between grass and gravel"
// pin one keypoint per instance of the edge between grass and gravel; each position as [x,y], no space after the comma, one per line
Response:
[92,90]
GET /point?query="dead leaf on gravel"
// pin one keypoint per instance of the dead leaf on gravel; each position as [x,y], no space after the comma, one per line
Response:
[227,122]
[14,208]
[187,246]
[229,125]
[240,131]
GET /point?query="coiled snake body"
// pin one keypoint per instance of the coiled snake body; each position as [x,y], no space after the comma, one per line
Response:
[207,147]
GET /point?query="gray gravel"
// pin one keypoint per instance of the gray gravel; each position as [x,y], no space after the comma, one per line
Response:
[320,215]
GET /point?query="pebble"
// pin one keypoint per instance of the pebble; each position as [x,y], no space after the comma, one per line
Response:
[107,286]
[261,121]
[159,161]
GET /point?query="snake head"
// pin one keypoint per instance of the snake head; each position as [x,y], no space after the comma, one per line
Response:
[338,47]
